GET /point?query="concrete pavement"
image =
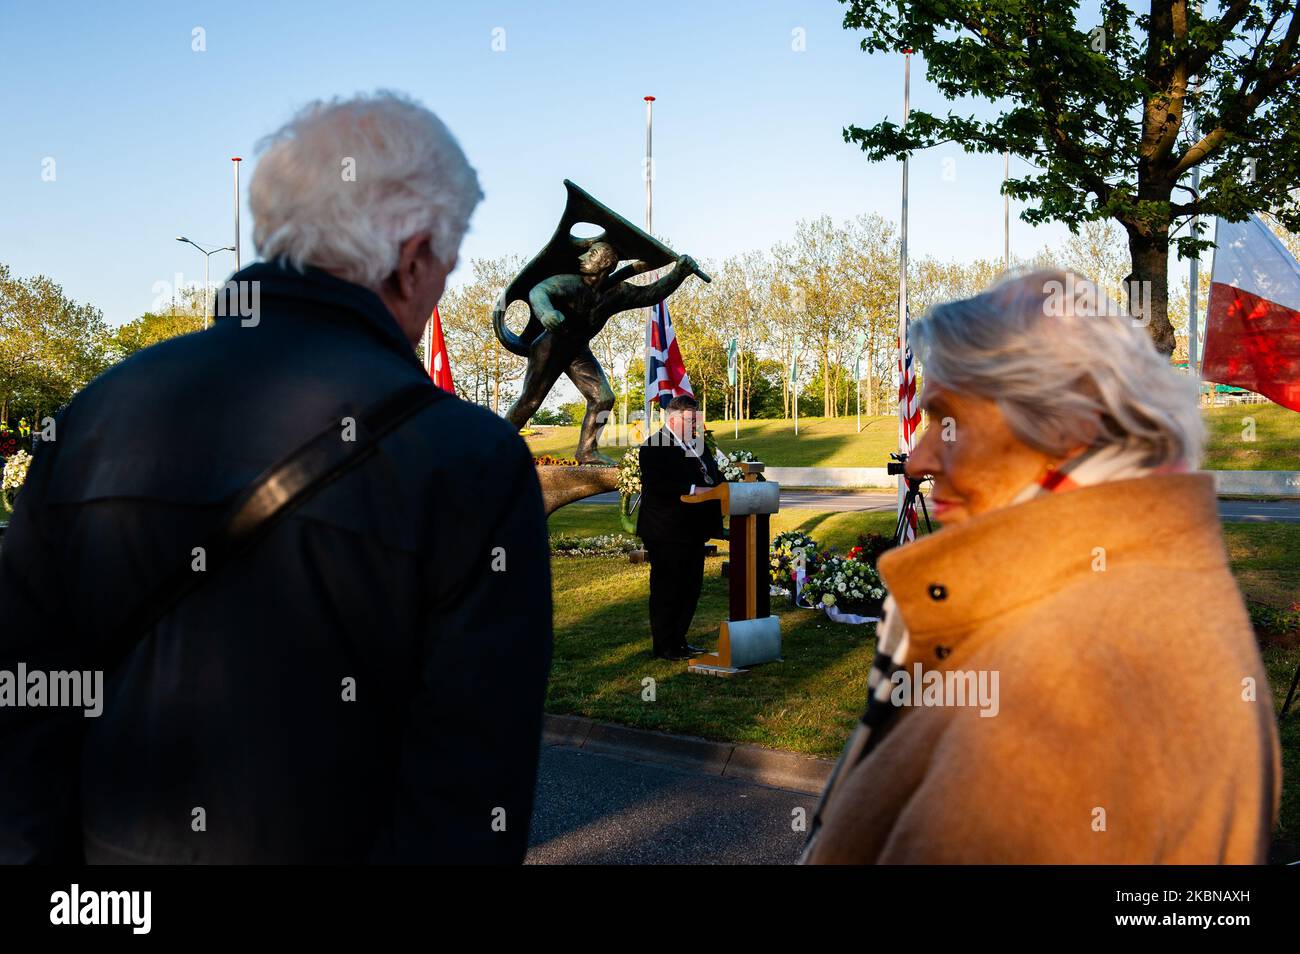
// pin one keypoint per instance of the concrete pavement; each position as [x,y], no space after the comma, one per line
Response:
[602,809]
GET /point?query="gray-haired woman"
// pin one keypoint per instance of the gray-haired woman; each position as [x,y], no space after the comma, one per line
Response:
[1066,672]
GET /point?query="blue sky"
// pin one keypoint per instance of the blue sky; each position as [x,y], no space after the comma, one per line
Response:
[747,129]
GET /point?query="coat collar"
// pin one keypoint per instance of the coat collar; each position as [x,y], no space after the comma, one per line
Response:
[317,287]
[948,583]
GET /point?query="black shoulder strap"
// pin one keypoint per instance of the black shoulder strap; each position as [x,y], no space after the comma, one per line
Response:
[270,498]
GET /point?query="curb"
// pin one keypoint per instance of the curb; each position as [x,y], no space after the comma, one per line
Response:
[751,763]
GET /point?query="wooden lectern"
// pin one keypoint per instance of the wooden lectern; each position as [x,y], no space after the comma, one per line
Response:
[751,634]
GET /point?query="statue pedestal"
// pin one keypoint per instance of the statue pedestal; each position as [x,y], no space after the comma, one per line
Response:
[564,484]
[751,634]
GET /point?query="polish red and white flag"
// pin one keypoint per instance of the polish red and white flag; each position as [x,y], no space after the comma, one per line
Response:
[1252,322]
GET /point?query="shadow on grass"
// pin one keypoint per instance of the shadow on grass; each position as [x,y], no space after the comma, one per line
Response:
[603,667]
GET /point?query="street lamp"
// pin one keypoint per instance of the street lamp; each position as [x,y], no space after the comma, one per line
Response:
[207,254]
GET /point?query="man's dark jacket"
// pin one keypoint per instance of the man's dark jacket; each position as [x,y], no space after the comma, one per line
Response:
[667,472]
[423,576]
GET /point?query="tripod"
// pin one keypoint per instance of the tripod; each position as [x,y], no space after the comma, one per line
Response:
[912,497]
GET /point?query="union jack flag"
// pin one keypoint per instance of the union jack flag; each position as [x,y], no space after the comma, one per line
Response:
[909,415]
[665,371]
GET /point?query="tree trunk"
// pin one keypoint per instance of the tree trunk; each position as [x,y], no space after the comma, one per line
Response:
[1148,284]
[748,404]
[828,406]
[740,382]
[871,384]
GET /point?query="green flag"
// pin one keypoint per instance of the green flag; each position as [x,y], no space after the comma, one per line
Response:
[731,361]
[794,370]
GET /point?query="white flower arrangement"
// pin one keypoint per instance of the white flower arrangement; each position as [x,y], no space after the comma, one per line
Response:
[629,473]
[15,473]
[851,586]
[730,465]
[609,544]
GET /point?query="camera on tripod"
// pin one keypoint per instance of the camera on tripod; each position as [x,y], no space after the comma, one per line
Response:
[903,530]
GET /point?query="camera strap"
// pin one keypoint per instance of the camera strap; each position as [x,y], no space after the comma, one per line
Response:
[262,505]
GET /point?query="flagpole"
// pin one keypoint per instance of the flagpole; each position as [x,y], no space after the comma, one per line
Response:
[236,160]
[649,227]
[427,341]
[1006,213]
[902,285]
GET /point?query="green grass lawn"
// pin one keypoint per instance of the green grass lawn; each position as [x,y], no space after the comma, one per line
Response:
[807,703]
[1232,443]
[835,442]
[822,442]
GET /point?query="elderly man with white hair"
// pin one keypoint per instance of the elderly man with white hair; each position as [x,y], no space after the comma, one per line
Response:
[318,587]
[1066,672]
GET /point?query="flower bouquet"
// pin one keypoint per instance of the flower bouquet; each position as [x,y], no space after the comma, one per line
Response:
[787,550]
[15,473]
[608,544]
[9,441]
[554,460]
[629,488]
[848,589]
[730,464]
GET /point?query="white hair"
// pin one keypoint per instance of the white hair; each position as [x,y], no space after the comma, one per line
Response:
[1066,366]
[344,183]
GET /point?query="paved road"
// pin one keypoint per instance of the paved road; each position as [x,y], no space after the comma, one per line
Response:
[1247,511]
[599,809]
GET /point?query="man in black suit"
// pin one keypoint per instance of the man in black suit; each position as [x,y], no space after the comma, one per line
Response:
[674,463]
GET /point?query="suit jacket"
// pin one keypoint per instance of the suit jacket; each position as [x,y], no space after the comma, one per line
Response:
[1134,723]
[235,701]
[667,472]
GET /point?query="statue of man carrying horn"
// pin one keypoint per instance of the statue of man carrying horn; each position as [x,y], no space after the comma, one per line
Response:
[572,288]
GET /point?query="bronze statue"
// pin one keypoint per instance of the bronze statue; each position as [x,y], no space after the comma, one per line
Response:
[572,288]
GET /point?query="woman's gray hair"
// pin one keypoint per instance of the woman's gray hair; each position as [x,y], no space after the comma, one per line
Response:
[344,183]
[1067,367]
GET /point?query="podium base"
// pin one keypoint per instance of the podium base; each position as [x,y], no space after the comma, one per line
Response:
[741,643]
[724,672]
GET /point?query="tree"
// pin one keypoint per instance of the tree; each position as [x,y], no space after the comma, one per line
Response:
[870,270]
[704,316]
[1104,112]
[1097,251]
[182,316]
[482,370]
[50,346]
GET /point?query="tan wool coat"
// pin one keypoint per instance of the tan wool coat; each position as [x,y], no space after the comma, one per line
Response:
[1133,723]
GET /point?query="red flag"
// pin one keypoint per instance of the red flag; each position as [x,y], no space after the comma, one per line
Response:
[1252,322]
[435,353]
